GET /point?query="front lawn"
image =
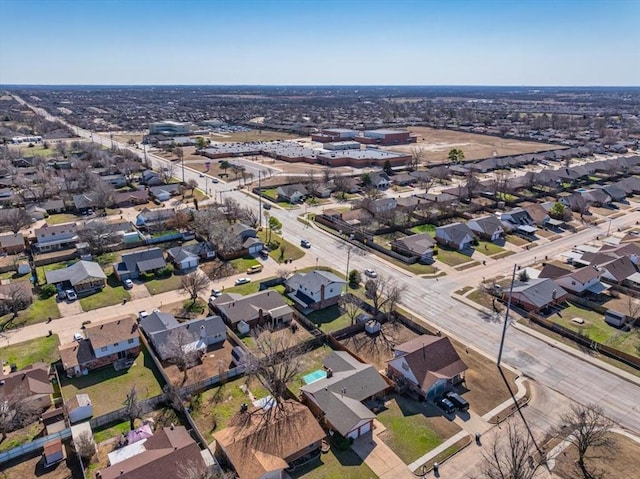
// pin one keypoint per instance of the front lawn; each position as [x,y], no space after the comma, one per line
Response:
[35,350]
[517,240]
[112,293]
[413,427]
[488,248]
[335,464]
[162,285]
[244,289]
[241,265]
[330,319]
[212,409]
[37,312]
[271,193]
[281,249]
[451,257]
[108,388]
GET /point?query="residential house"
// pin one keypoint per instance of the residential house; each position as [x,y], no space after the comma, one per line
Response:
[85,277]
[618,270]
[615,193]
[538,214]
[316,289]
[427,365]
[155,219]
[404,179]
[151,178]
[133,265]
[455,235]
[117,180]
[165,192]
[188,257]
[339,396]
[264,308]
[162,455]
[596,197]
[248,238]
[379,180]
[381,205]
[12,243]
[53,206]
[30,385]
[200,333]
[55,237]
[536,294]
[84,202]
[576,202]
[115,342]
[420,245]
[292,193]
[579,281]
[130,198]
[261,448]
[487,227]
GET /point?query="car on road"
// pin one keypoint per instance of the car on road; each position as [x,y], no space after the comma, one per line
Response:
[71,295]
[201,175]
[458,401]
[240,281]
[78,337]
[266,206]
[128,284]
[305,243]
[446,405]
[370,273]
[216,292]
[256,268]
[214,180]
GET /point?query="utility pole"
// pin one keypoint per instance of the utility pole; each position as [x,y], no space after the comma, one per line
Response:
[260,199]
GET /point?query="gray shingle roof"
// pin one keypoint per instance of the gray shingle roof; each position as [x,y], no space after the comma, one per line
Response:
[539,292]
[142,261]
[247,308]
[313,280]
[75,273]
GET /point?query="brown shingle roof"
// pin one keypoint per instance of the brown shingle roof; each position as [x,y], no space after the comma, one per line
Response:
[110,332]
[32,380]
[255,445]
[431,358]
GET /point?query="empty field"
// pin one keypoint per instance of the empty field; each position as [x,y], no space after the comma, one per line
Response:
[252,135]
[437,144]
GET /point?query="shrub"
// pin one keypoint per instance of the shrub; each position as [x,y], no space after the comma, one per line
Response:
[47,291]
[354,277]
[164,272]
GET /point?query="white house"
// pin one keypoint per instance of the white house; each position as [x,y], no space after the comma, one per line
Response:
[316,289]
[487,227]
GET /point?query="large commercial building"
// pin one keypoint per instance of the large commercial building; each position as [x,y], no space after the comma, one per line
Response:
[334,134]
[386,137]
[170,128]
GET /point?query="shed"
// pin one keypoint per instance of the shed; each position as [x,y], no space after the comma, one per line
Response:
[79,408]
[243,327]
[53,453]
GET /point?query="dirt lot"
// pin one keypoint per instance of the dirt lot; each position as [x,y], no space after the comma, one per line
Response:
[620,461]
[216,361]
[377,350]
[437,144]
[31,466]
[252,135]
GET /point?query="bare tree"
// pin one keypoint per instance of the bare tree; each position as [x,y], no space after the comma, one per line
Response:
[633,306]
[385,294]
[177,350]
[588,427]
[102,194]
[277,360]
[98,234]
[312,183]
[417,155]
[205,222]
[168,172]
[180,221]
[232,209]
[13,300]
[511,455]
[85,446]
[350,306]
[16,412]
[15,219]
[197,470]
[132,407]
[192,184]
[283,273]
[194,283]
[250,216]
[341,185]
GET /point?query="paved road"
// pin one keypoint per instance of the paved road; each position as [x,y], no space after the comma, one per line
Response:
[563,373]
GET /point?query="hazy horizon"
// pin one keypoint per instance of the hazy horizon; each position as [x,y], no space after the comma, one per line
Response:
[583,43]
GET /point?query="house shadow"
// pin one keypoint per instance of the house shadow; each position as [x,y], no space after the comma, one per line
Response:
[413,407]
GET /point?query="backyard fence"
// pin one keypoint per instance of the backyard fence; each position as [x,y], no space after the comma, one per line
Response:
[33,446]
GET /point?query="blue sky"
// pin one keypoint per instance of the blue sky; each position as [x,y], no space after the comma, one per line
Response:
[295,42]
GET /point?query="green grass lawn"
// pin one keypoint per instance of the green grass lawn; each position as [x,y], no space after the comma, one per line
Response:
[112,431]
[310,362]
[212,409]
[21,437]
[60,218]
[291,251]
[110,295]
[517,240]
[429,229]
[37,312]
[242,264]
[13,276]
[157,286]
[414,428]
[488,248]
[28,352]
[330,319]
[108,388]
[597,329]
[451,257]
[244,289]
[271,193]
[335,464]
[37,151]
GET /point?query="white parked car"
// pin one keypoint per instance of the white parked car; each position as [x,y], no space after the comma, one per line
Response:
[142,314]
[71,295]
[240,281]
[370,273]
[78,337]
[128,284]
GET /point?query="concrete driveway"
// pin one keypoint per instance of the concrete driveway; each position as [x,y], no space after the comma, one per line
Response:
[69,309]
[139,291]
